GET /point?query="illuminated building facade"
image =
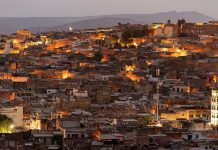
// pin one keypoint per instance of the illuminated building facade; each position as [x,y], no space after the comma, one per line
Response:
[24,32]
[214,107]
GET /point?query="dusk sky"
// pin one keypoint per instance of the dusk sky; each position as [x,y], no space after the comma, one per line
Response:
[72,8]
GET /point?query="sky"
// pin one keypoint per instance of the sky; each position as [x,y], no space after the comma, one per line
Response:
[75,8]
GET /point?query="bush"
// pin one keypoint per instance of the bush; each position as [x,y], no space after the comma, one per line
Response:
[6,124]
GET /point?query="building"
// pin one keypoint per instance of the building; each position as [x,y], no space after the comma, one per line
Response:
[170,30]
[214,107]
[7,47]
[141,135]
[196,29]
[24,32]
[32,123]
[159,32]
[188,114]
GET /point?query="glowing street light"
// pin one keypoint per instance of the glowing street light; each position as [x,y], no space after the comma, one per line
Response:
[12,126]
[70,29]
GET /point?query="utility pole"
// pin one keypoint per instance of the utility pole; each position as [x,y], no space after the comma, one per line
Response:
[158,88]
[157,101]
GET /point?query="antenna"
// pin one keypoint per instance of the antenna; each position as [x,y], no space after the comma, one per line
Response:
[38,30]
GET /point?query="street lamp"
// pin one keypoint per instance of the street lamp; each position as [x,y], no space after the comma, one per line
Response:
[11,126]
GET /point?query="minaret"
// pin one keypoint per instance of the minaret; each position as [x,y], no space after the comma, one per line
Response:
[7,47]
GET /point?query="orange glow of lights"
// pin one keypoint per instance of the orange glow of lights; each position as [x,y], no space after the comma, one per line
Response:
[133,77]
[130,68]
[105,58]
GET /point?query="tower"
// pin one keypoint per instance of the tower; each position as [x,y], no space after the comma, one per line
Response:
[214,107]
[7,47]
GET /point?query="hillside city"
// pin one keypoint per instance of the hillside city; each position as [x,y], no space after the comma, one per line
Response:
[126,87]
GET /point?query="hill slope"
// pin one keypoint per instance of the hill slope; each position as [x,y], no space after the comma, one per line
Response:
[190,16]
[9,25]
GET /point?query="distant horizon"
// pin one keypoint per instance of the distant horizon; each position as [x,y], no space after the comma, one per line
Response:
[106,15]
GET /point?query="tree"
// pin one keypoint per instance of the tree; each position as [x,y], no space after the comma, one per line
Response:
[168,21]
[114,39]
[130,33]
[147,120]
[126,36]
[117,46]
[181,22]
[98,56]
[152,31]
[6,124]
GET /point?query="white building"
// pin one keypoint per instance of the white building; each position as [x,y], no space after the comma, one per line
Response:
[52,91]
[80,94]
[7,47]
[214,107]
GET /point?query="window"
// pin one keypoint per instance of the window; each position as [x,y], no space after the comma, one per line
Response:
[191,116]
[68,136]
[198,115]
[76,136]
[204,115]
[72,136]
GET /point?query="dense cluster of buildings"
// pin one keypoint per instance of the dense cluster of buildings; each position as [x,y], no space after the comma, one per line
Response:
[89,89]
